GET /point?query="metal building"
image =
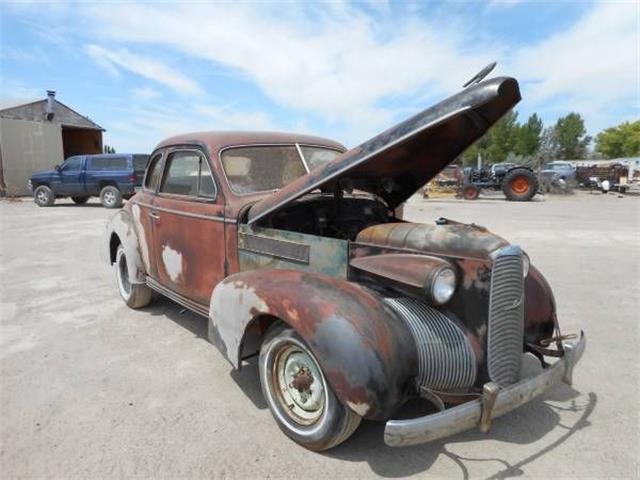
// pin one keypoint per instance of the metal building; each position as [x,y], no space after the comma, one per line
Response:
[38,135]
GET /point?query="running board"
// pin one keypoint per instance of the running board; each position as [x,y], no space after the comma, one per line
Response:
[195,307]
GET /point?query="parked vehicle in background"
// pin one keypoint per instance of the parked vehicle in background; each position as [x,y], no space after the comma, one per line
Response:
[291,248]
[518,183]
[112,177]
[562,169]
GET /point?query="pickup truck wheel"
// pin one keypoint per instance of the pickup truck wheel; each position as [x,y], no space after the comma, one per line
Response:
[44,196]
[301,401]
[134,295]
[110,197]
[520,185]
[79,200]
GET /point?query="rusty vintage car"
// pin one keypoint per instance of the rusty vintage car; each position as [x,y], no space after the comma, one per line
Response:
[289,245]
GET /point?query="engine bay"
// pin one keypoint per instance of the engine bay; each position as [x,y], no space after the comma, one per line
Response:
[329,216]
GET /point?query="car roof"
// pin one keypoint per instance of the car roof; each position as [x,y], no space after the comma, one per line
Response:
[218,140]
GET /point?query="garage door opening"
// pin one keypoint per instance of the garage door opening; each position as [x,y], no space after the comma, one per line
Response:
[80,141]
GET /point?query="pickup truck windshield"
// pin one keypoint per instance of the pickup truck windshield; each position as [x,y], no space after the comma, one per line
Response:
[265,168]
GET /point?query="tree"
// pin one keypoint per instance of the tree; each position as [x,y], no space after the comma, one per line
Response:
[571,137]
[109,149]
[496,143]
[529,137]
[620,141]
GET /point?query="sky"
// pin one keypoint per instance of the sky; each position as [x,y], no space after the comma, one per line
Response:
[346,70]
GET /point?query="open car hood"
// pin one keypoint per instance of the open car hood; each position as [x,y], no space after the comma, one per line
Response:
[397,162]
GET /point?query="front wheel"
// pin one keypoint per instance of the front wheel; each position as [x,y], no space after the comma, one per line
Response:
[470,192]
[135,295]
[44,196]
[301,401]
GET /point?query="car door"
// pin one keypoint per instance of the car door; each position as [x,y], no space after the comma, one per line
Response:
[189,227]
[143,215]
[71,178]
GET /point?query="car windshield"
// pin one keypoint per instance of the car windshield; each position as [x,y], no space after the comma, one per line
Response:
[264,168]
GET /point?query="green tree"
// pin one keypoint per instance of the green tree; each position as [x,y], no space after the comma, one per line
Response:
[497,143]
[620,141]
[571,137]
[529,137]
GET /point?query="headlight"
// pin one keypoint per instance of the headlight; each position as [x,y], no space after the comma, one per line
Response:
[526,263]
[443,284]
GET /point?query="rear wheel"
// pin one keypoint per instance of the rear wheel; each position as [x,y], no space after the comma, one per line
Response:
[44,196]
[470,192]
[301,401]
[135,295]
[520,185]
[110,197]
[80,200]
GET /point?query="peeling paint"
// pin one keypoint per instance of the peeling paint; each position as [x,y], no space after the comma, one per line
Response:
[142,239]
[172,260]
[360,408]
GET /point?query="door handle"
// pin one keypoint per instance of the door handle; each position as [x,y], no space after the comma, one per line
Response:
[154,215]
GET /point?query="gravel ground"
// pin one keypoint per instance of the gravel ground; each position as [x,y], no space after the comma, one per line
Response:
[92,389]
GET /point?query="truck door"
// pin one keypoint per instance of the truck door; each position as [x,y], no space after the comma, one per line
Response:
[189,227]
[71,176]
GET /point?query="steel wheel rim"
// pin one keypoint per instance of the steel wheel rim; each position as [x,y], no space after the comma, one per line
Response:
[520,185]
[109,197]
[299,385]
[122,274]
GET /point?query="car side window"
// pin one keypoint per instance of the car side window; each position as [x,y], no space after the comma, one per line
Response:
[187,173]
[72,164]
[153,172]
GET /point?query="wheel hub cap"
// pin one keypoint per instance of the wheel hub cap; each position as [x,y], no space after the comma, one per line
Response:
[520,185]
[301,385]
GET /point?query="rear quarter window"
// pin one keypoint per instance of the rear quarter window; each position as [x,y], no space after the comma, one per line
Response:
[107,163]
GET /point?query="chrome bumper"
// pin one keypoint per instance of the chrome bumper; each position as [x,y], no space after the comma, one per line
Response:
[401,433]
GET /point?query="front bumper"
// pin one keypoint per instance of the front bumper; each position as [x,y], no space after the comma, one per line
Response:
[401,433]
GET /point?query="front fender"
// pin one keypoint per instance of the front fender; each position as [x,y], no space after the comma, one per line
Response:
[366,353]
[120,229]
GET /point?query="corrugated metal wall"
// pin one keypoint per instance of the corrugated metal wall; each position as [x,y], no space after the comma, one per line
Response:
[26,148]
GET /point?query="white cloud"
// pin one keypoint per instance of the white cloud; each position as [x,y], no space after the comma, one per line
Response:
[338,63]
[142,122]
[112,60]
[504,3]
[590,67]
[145,93]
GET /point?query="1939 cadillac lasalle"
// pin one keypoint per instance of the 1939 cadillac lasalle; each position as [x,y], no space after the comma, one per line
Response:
[290,246]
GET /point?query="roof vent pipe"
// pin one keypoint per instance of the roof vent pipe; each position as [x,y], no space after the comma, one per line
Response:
[51,97]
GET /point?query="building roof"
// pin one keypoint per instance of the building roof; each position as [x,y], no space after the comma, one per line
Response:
[36,111]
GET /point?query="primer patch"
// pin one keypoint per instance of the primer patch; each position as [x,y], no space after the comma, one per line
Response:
[172,260]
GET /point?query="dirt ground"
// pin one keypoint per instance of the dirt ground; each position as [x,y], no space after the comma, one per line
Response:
[92,389]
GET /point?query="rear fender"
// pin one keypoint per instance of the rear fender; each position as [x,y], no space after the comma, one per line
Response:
[366,353]
[120,230]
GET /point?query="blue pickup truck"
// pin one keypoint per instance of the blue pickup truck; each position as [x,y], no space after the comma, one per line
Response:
[112,177]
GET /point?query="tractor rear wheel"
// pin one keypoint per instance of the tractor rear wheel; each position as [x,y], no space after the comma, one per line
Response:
[520,185]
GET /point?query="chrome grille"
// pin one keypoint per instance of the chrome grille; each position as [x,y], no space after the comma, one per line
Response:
[506,317]
[445,358]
